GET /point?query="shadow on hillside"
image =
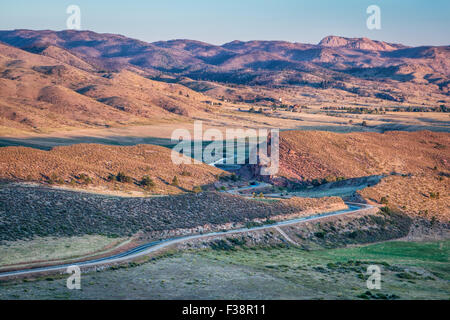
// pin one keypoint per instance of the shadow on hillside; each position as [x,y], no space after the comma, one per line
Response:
[46,143]
[342,188]
[167,183]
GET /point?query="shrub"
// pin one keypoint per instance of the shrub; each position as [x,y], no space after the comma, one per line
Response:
[186,174]
[197,189]
[222,177]
[147,182]
[221,245]
[352,234]
[252,224]
[237,242]
[329,179]
[433,220]
[55,179]
[386,210]
[320,234]
[405,275]
[85,179]
[121,177]
[175,181]
[434,195]
[384,200]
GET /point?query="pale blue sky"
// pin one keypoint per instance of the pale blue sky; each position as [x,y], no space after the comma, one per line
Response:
[412,22]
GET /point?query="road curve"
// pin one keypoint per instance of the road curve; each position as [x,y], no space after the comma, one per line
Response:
[158,245]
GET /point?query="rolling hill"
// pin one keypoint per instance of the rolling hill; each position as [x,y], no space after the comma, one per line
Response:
[415,166]
[97,166]
[53,80]
[330,59]
[56,89]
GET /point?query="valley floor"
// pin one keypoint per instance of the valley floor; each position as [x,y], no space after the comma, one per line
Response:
[409,270]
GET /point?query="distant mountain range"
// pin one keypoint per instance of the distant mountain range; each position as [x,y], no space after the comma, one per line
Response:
[50,65]
[202,60]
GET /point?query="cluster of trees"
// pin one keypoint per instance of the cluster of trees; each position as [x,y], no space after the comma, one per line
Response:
[121,177]
[233,177]
[357,110]
[260,195]
[382,110]
[253,110]
[441,108]
[82,178]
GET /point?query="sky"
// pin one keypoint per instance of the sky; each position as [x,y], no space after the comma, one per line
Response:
[411,22]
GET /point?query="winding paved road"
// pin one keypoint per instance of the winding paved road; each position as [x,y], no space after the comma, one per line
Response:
[158,245]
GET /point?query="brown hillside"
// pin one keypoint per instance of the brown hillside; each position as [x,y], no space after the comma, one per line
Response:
[66,166]
[348,65]
[57,89]
[308,155]
[67,58]
[416,166]
[422,196]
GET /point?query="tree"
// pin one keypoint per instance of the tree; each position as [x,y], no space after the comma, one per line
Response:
[85,178]
[147,182]
[434,195]
[121,177]
[175,181]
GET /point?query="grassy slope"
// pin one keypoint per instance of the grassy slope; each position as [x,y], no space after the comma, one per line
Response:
[13,252]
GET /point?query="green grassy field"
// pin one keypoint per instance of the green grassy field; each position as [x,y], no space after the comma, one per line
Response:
[50,248]
[410,270]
